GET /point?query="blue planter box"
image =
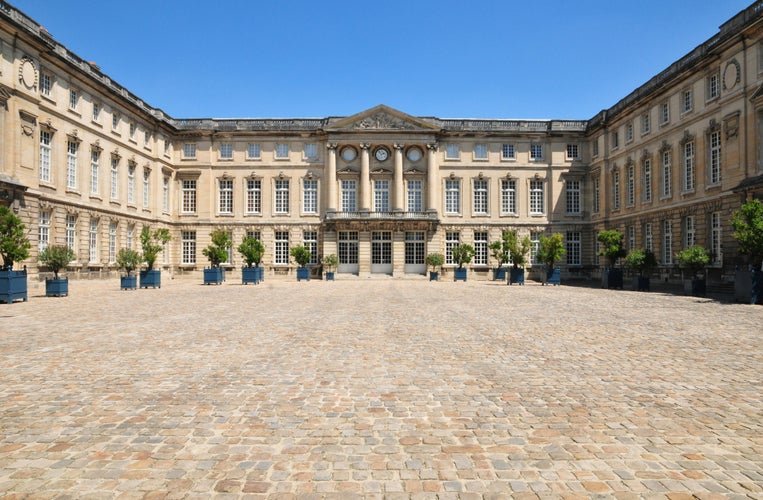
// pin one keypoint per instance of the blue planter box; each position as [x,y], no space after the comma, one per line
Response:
[614,278]
[13,286]
[57,287]
[499,274]
[128,282]
[250,275]
[303,273]
[698,287]
[214,275]
[554,276]
[152,278]
[641,283]
[329,275]
[434,276]
[516,275]
[459,274]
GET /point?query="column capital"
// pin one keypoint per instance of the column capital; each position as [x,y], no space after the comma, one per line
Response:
[398,146]
[432,146]
[331,146]
[365,146]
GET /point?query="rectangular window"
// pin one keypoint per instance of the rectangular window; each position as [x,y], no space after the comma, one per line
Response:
[43,231]
[310,241]
[311,151]
[282,197]
[480,248]
[667,173]
[534,246]
[508,196]
[73,99]
[713,89]
[226,151]
[631,232]
[536,198]
[282,248]
[480,151]
[415,196]
[629,132]
[112,242]
[71,232]
[282,151]
[452,197]
[688,166]
[667,242]
[189,196]
[92,241]
[536,152]
[166,194]
[616,190]
[381,247]
[596,195]
[664,113]
[480,197]
[414,247]
[310,196]
[630,187]
[648,237]
[349,196]
[573,152]
[646,125]
[96,111]
[595,148]
[46,84]
[189,150]
[647,179]
[45,147]
[71,164]
[254,234]
[95,161]
[687,101]
[114,121]
[253,151]
[715,239]
[146,188]
[188,251]
[166,147]
[572,245]
[130,235]
[715,158]
[347,247]
[615,140]
[133,128]
[572,192]
[253,196]
[451,151]
[114,179]
[381,196]
[146,138]
[130,183]
[225,196]
[452,238]
[507,152]
[690,231]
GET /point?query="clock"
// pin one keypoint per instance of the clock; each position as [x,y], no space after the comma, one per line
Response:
[348,154]
[381,154]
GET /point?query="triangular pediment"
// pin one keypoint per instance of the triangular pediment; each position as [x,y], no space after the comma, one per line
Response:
[383,118]
[381,171]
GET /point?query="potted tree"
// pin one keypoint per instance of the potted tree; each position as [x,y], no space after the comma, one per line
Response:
[435,261]
[14,247]
[550,251]
[216,253]
[152,243]
[302,255]
[641,262]
[500,252]
[252,250]
[694,259]
[613,248]
[462,254]
[330,263]
[518,250]
[748,233]
[55,258]
[128,259]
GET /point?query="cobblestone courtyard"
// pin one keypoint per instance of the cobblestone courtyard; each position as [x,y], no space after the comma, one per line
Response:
[386,388]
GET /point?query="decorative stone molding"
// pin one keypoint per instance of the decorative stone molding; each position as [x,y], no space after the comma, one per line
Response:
[398,146]
[28,73]
[645,154]
[28,123]
[432,147]
[687,137]
[96,146]
[382,121]
[331,146]
[365,146]
[731,124]
[731,74]
[665,147]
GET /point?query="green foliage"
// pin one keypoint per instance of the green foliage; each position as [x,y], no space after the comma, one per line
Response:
[252,250]
[640,261]
[128,259]
[14,245]
[550,249]
[217,252]
[499,251]
[693,259]
[462,254]
[56,257]
[748,231]
[330,262]
[301,254]
[518,248]
[613,246]
[435,261]
[153,243]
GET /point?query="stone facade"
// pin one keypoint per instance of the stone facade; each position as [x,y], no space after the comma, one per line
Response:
[85,162]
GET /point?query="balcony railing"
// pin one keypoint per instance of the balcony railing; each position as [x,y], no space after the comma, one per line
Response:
[361,214]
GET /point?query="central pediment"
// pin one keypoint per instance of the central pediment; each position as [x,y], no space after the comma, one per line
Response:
[382,118]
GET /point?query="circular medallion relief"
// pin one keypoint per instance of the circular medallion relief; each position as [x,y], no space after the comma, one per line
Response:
[28,73]
[349,154]
[414,154]
[731,74]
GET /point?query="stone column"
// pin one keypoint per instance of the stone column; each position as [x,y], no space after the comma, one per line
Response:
[399,189]
[331,200]
[433,179]
[365,178]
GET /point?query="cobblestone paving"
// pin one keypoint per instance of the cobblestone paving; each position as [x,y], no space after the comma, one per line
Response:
[379,388]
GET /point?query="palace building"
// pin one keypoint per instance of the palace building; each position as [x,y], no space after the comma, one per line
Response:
[86,163]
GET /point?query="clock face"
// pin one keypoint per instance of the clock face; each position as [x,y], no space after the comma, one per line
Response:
[414,154]
[348,154]
[381,154]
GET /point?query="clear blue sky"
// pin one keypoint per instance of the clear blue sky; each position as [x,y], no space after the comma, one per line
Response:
[444,58]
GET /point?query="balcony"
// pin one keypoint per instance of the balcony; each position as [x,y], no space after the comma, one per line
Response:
[365,220]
